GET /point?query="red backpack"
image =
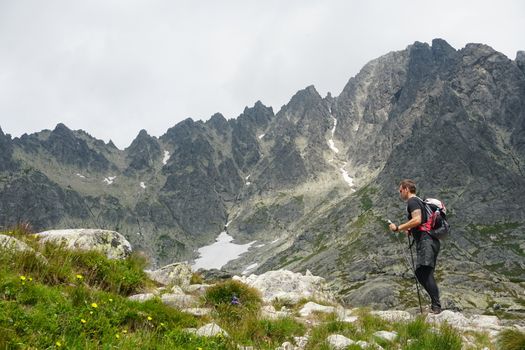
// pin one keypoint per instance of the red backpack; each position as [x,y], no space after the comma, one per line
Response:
[435,223]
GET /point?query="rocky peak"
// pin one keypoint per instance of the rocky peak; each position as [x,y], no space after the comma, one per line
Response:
[520,60]
[219,123]
[143,152]
[67,148]
[6,152]
[260,114]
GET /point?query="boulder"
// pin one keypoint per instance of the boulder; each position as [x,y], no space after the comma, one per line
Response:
[142,297]
[179,301]
[289,286]
[337,341]
[385,335]
[174,274]
[455,319]
[312,307]
[211,330]
[269,312]
[197,311]
[110,243]
[12,244]
[393,315]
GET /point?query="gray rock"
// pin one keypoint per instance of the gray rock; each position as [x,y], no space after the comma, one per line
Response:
[337,341]
[10,243]
[178,274]
[179,301]
[142,297]
[311,307]
[198,311]
[110,243]
[211,330]
[287,285]
[385,335]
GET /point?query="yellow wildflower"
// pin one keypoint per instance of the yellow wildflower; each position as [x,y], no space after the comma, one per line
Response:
[22,278]
[30,279]
[58,344]
[110,300]
[124,331]
[149,318]
[94,305]
[82,320]
[117,336]
[162,324]
[79,277]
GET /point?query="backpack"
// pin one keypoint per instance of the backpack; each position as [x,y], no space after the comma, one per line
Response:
[436,224]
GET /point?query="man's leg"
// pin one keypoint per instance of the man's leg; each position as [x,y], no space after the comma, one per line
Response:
[425,276]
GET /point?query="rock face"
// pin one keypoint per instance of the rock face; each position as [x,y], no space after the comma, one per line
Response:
[111,243]
[314,182]
[287,285]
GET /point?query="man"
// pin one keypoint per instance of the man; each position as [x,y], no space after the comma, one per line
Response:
[427,247]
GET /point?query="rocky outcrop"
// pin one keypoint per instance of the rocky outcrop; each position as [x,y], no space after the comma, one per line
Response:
[110,243]
[289,286]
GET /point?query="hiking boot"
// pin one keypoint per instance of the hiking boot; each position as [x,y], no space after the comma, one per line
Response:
[436,310]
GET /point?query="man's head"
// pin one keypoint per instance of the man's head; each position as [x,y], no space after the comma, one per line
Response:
[407,189]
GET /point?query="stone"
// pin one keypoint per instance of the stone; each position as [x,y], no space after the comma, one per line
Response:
[301,341]
[110,243]
[199,289]
[289,286]
[179,301]
[142,297]
[199,312]
[269,312]
[211,330]
[385,335]
[455,319]
[311,307]
[178,274]
[12,244]
[286,346]
[337,341]
[345,315]
[393,315]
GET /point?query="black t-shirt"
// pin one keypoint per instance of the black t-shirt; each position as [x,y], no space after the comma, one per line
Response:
[415,203]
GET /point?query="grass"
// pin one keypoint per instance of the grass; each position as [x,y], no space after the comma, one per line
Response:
[511,339]
[55,298]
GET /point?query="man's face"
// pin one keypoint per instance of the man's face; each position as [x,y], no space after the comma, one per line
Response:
[403,193]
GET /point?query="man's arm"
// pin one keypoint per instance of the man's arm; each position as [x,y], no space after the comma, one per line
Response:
[414,222]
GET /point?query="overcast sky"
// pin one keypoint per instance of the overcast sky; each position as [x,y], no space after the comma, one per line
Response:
[113,67]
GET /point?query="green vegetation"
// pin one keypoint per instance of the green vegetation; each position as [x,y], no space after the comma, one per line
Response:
[54,298]
[511,339]
[493,229]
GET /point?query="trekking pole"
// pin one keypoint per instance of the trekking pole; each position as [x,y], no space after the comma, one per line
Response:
[415,276]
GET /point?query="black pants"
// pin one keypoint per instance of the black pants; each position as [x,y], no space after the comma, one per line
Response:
[425,276]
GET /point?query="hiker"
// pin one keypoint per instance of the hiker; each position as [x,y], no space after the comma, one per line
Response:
[427,247]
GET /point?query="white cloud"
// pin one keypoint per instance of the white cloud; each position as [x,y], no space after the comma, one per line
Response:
[115,67]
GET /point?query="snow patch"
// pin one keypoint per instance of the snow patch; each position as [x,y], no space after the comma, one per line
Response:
[247,177]
[218,254]
[248,183]
[347,178]
[261,136]
[166,157]
[80,175]
[143,185]
[228,223]
[275,241]
[109,180]
[331,143]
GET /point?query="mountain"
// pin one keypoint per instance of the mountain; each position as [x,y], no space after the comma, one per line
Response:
[315,183]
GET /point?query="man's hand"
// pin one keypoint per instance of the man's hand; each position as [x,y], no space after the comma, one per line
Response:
[392,227]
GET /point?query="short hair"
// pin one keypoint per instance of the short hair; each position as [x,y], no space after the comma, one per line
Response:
[410,184]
